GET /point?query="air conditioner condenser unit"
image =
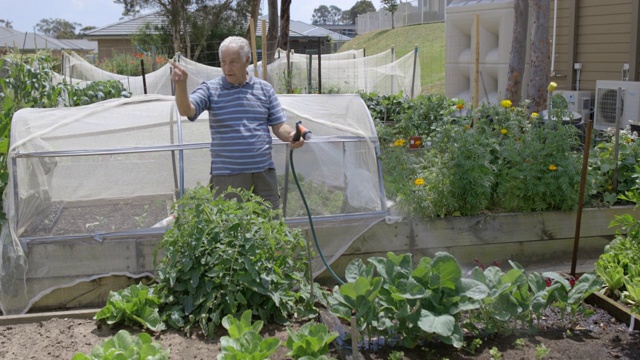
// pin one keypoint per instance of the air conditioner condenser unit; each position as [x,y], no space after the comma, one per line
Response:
[607,108]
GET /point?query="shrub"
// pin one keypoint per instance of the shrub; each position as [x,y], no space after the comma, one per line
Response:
[226,256]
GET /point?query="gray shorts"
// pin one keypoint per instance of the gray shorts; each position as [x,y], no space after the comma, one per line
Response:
[264,184]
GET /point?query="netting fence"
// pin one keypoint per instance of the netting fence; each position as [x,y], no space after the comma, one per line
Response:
[353,71]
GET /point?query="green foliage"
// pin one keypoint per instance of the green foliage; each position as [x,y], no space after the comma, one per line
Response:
[434,300]
[227,256]
[133,306]
[244,341]
[131,64]
[508,160]
[25,82]
[123,346]
[603,166]
[542,352]
[94,92]
[311,341]
[617,266]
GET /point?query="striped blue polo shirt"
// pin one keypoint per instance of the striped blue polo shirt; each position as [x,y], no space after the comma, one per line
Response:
[239,120]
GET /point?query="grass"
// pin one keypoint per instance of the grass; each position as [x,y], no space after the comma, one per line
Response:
[430,40]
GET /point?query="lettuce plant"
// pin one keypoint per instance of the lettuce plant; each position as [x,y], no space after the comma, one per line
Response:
[125,346]
[134,305]
[244,341]
[311,341]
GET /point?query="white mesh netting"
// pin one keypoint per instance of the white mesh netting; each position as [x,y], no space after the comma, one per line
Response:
[88,184]
[345,72]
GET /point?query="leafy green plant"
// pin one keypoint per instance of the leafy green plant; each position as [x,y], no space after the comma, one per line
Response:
[604,169]
[401,299]
[542,352]
[26,81]
[244,341]
[125,346]
[134,305]
[227,256]
[495,353]
[94,92]
[568,298]
[311,341]
[396,355]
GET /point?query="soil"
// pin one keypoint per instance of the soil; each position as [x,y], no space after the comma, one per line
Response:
[598,336]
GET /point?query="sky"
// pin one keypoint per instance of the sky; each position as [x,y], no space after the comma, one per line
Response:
[25,14]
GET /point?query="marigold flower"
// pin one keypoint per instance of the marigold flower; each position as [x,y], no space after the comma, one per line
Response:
[504,131]
[553,167]
[460,106]
[419,181]
[552,86]
[535,115]
[399,142]
[505,103]
[417,142]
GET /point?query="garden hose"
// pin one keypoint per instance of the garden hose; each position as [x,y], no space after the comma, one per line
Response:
[306,134]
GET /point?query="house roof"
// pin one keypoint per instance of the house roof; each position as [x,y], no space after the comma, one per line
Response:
[297,29]
[127,27]
[34,41]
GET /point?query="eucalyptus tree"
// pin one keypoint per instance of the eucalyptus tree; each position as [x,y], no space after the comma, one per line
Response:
[518,51]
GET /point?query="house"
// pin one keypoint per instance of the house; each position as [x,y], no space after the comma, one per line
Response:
[303,38]
[116,37]
[30,43]
[307,39]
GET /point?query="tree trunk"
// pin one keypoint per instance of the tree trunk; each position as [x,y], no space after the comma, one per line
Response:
[272,33]
[518,51]
[285,19]
[255,13]
[540,55]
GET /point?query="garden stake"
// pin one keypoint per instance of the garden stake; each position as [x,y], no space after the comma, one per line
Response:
[583,179]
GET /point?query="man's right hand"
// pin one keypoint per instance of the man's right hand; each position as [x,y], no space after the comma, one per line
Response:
[179,75]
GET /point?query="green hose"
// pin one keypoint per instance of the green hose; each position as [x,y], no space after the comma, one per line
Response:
[313,231]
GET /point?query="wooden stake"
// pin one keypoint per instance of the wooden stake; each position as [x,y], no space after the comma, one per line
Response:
[265,48]
[253,46]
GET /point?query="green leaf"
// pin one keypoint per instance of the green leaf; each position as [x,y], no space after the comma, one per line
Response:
[442,325]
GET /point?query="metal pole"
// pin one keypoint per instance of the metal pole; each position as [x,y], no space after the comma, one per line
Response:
[413,77]
[319,67]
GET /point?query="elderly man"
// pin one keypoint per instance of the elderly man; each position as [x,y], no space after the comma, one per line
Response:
[241,110]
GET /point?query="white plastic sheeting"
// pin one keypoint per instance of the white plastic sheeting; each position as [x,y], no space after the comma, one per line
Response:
[73,163]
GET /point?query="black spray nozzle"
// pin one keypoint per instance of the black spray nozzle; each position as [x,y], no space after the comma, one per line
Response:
[301,132]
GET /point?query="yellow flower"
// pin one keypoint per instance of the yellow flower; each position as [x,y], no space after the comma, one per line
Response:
[504,131]
[419,181]
[628,140]
[552,86]
[418,142]
[535,115]
[505,103]
[399,142]
[460,106]
[553,167]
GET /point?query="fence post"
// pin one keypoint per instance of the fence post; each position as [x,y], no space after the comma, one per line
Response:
[413,77]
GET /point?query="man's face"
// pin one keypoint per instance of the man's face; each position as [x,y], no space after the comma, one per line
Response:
[234,66]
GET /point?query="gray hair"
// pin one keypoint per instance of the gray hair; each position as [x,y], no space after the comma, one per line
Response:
[236,42]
